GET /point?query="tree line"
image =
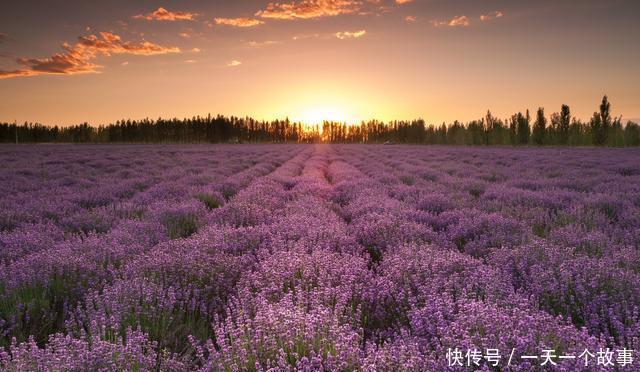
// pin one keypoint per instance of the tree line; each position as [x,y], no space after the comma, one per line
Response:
[560,128]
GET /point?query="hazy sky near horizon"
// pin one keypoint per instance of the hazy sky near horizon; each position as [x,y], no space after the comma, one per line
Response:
[66,62]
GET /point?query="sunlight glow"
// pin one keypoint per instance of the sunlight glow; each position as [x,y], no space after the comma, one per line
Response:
[316,115]
[313,100]
[316,101]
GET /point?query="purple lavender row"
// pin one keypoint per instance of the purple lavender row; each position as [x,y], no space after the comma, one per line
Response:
[81,200]
[40,290]
[434,297]
[571,245]
[362,258]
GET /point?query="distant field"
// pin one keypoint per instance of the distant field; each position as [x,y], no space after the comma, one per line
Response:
[317,257]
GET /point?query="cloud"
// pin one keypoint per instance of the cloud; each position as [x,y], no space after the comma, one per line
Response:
[350,35]
[195,50]
[307,9]
[457,21]
[112,44]
[190,61]
[492,15]
[234,63]
[306,36]
[162,14]
[3,37]
[189,33]
[79,58]
[410,18]
[257,44]
[464,21]
[15,73]
[239,22]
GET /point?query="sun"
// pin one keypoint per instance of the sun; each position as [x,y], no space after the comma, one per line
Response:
[319,114]
[315,102]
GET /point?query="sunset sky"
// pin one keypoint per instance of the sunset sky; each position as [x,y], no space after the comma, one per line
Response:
[66,62]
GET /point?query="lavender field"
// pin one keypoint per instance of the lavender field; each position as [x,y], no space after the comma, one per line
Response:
[318,257]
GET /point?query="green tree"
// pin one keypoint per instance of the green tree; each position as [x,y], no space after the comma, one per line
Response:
[632,134]
[615,137]
[513,130]
[540,127]
[597,134]
[563,125]
[601,123]
[524,128]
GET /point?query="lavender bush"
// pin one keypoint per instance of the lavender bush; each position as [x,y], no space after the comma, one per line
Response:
[318,257]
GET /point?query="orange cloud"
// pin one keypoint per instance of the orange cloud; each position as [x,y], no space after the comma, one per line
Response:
[492,15]
[307,9]
[457,21]
[410,18]
[113,44]
[15,73]
[162,14]
[306,36]
[350,35]
[78,59]
[257,44]
[234,63]
[238,22]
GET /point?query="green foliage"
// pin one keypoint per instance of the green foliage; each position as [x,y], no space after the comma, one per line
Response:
[181,226]
[540,229]
[632,134]
[169,327]
[210,201]
[597,130]
[564,123]
[540,128]
[522,127]
[601,123]
[407,180]
[38,309]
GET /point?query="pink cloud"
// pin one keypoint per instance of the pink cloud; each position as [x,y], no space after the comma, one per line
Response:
[239,22]
[492,15]
[162,14]
[79,58]
[350,35]
[307,9]
[457,21]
